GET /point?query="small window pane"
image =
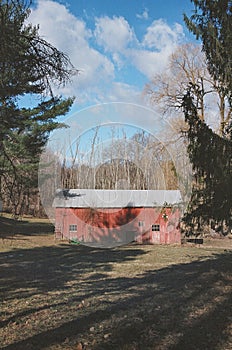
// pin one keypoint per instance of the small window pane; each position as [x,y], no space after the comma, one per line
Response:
[141,223]
[155,227]
[72,227]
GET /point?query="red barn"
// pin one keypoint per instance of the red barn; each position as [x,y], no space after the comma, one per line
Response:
[114,217]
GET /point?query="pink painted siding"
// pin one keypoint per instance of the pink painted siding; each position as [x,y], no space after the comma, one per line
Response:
[95,224]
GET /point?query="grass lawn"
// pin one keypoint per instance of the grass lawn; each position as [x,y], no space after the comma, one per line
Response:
[55,296]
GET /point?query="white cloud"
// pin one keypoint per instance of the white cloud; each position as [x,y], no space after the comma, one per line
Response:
[70,35]
[58,25]
[124,93]
[160,35]
[143,15]
[113,34]
[149,62]
[101,53]
[157,45]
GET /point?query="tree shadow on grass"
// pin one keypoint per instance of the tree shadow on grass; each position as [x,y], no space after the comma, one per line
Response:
[50,268]
[183,306]
[10,227]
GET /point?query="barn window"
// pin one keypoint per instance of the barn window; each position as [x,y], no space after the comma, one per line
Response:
[141,223]
[155,227]
[72,227]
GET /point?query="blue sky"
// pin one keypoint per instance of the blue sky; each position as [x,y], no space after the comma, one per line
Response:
[117,45]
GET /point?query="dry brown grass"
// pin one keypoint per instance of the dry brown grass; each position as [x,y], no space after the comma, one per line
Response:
[59,296]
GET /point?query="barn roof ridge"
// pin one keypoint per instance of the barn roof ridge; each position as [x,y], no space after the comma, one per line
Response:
[100,198]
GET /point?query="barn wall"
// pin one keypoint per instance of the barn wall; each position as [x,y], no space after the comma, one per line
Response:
[120,224]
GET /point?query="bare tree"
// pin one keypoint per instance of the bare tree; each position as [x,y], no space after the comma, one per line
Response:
[138,162]
[187,66]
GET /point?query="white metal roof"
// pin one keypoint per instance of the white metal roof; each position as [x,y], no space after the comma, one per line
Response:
[90,198]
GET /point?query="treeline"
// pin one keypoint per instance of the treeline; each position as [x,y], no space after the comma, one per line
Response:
[139,162]
[119,174]
[136,163]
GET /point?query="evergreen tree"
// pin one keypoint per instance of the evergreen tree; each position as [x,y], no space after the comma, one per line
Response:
[29,65]
[211,155]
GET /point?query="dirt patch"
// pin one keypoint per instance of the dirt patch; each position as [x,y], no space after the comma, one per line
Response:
[60,296]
